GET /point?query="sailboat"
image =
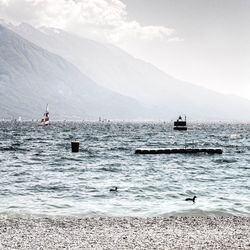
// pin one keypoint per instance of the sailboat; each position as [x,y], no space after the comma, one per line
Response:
[45,119]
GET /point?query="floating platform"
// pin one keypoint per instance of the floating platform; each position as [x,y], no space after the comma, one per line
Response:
[180,124]
[180,128]
[178,151]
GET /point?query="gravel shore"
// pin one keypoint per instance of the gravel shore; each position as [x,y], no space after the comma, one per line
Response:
[125,233]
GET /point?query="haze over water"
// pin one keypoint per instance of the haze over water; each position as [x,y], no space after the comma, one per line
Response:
[40,175]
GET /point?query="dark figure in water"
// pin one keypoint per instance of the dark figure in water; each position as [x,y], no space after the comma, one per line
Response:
[191,199]
[113,189]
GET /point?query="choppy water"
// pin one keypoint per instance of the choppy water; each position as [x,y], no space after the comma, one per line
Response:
[40,175]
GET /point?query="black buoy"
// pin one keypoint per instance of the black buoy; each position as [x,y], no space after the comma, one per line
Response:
[75,146]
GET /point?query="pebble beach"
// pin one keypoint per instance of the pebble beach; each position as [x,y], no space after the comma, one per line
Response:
[125,233]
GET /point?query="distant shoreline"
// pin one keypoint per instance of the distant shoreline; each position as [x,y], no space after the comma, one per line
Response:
[135,121]
[172,232]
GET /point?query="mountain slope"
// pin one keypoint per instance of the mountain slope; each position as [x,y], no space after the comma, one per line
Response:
[115,69]
[30,77]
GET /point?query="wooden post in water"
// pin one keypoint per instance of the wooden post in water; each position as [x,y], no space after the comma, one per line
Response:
[75,146]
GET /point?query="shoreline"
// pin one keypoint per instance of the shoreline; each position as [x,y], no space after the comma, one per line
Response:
[174,232]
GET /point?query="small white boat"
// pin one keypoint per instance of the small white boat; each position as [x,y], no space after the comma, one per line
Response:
[45,119]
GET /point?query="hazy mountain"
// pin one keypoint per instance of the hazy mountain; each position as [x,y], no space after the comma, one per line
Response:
[113,68]
[31,77]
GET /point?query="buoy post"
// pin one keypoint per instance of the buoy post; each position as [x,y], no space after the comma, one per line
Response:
[75,146]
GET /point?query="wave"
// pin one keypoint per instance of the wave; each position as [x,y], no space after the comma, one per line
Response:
[14,148]
[225,160]
[199,213]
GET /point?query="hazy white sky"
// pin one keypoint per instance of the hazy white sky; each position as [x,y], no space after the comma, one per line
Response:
[200,41]
[214,46]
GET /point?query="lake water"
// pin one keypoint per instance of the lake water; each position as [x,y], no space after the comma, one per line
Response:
[39,174]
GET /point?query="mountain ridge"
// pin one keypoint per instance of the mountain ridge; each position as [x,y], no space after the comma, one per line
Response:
[164,96]
[30,77]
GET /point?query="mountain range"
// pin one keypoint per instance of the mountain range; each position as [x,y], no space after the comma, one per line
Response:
[30,77]
[84,78]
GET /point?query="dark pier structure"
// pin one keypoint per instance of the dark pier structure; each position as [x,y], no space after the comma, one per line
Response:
[179,151]
[180,124]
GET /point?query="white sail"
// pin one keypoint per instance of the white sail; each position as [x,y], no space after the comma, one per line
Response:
[45,119]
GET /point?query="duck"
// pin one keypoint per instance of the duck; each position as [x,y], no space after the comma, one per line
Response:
[191,199]
[113,189]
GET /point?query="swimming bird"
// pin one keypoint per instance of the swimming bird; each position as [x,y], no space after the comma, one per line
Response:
[113,189]
[191,199]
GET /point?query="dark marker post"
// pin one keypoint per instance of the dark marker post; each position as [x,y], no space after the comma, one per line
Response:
[75,146]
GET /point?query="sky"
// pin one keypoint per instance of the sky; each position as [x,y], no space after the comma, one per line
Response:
[205,42]
[214,41]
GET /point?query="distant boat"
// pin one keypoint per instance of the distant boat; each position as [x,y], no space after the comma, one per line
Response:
[180,124]
[19,118]
[45,119]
